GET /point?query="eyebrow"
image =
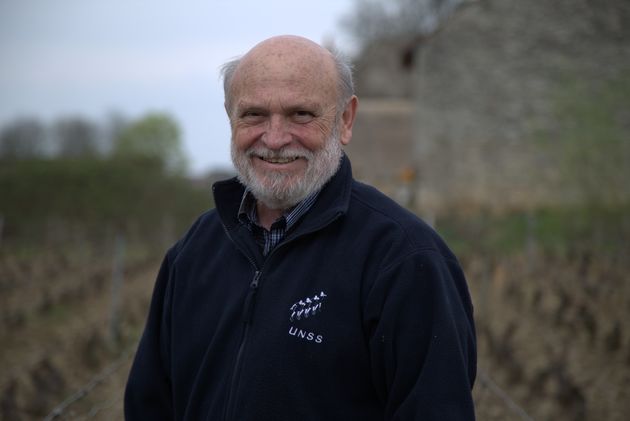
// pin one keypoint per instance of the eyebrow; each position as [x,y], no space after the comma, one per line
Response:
[305,105]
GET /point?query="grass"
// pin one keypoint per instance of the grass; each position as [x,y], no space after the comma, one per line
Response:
[550,230]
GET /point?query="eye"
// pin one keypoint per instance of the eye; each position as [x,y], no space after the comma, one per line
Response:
[252,116]
[303,116]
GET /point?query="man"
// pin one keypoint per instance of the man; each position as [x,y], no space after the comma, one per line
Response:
[304,294]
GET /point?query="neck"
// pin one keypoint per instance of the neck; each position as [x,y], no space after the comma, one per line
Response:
[266,215]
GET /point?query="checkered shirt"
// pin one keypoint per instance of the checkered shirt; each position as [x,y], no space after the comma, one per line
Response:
[268,239]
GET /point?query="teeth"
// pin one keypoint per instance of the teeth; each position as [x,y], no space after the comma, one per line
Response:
[279,160]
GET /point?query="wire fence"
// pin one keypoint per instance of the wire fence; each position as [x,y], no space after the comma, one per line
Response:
[85,390]
[485,381]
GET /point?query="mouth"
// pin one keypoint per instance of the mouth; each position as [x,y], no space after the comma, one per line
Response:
[279,160]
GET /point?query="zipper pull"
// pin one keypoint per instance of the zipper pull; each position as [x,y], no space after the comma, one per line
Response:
[254,283]
[249,300]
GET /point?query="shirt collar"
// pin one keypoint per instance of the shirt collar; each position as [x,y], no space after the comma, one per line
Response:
[247,210]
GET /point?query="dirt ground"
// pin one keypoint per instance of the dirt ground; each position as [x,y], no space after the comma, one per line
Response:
[550,337]
[57,339]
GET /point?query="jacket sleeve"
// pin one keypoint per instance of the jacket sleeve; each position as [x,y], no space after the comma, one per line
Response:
[422,339]
[148,392]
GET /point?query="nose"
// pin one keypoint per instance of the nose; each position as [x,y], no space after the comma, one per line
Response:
[277,133]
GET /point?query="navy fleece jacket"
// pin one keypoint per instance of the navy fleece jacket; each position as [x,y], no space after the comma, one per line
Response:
[360,313]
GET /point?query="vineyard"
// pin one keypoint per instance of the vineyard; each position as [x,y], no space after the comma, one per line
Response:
[550,322]
[57,322]
[550,331]
[80,240]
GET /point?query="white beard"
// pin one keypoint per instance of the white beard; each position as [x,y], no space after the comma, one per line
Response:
[277,190]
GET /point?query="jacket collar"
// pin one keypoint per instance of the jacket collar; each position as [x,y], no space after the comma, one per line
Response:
[333,201]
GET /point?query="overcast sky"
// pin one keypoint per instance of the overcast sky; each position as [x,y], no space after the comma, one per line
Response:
[91,58]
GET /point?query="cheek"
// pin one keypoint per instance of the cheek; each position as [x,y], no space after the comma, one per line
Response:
[243,138]
[315,137]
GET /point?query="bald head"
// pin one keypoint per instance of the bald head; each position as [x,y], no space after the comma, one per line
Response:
[294,58]
[290,50]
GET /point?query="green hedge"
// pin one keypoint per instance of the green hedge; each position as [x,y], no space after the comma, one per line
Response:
[94,196]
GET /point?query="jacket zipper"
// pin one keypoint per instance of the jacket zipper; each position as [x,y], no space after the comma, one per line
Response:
[247,318]
[249,300]
[248,312]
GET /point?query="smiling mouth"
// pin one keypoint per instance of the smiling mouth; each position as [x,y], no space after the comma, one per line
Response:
[272,160]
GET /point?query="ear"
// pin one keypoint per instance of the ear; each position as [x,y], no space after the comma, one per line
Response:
[347,120]
[227,110]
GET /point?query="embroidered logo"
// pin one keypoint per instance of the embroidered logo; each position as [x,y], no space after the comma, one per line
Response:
[307,307]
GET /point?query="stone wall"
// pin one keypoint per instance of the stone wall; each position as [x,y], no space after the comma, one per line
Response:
[381,150]
[484,86]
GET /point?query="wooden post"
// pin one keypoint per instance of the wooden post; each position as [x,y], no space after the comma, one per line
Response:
[531,246]
[118,269]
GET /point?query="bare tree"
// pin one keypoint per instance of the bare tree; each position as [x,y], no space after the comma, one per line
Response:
[377,19]
[23,138]
[114,126]
[76,137]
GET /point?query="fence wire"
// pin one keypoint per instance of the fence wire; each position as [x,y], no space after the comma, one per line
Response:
[505,398]
[85,390]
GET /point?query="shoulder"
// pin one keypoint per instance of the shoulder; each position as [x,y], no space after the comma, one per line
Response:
[197,234]
[394,225]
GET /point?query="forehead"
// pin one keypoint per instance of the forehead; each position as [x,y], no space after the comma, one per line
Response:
[305,74]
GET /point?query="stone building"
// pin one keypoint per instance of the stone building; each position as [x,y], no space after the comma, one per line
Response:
[456,118]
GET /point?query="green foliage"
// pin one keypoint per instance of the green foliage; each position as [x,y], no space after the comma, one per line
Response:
[75,185]
[155,137]
[49,201]
[557,230]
